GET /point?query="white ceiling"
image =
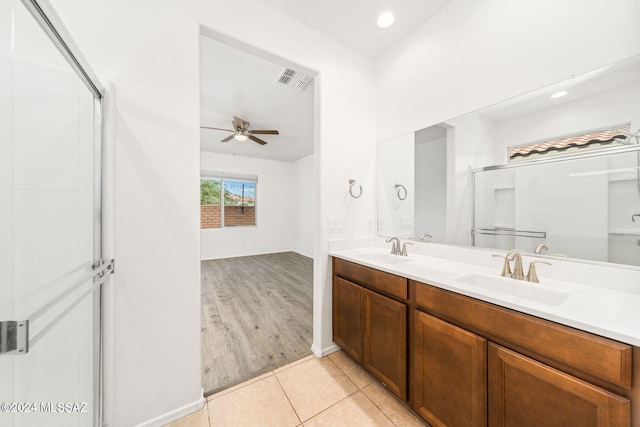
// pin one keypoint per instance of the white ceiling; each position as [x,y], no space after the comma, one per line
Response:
[353,22]
[234,82]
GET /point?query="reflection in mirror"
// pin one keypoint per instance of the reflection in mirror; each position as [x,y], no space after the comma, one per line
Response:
[412,185]
[396,167]
[573,206]
[579,207]
[431,184]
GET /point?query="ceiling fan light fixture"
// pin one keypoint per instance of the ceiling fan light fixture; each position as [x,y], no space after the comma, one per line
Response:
[241,131]
[386,19]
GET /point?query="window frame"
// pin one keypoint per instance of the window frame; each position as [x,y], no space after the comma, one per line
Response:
[228,176]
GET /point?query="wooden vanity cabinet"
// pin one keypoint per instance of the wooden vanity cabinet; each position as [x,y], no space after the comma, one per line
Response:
[513,389]
[526,393]
[449,375]
[385,341]
[467,362]
[348,329]
[369,326]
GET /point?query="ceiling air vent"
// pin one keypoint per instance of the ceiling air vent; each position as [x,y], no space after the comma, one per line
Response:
[304,82]
[286,76]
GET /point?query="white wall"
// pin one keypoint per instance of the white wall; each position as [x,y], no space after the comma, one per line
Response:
[473,54]
[345,138]
[149,50]
[395,166]
[431,188]
[467,140]
[302,231]
[283,208]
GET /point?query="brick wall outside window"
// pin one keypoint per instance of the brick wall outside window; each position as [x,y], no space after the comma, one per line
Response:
[233,216]
[209,216]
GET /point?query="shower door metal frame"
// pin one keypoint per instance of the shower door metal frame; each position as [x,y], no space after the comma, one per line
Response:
[553,159]
[48,20]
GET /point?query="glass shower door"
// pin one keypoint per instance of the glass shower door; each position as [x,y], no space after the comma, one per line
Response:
[50,228]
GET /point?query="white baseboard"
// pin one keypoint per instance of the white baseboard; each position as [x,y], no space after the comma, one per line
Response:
[176,414]
[318,352]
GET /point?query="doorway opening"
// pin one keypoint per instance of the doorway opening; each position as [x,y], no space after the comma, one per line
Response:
[256,237]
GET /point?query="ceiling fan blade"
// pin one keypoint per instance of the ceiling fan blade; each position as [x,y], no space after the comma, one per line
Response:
[207,127]
[258,140]
[229,138]
[265,132]
[240,124]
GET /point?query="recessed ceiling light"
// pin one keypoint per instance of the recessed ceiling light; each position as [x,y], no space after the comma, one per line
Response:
[386,19]
[559,94]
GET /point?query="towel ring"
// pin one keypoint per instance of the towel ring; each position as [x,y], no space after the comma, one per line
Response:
[352,182]
[399,188]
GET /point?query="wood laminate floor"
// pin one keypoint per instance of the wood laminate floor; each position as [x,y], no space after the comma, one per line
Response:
[256,316]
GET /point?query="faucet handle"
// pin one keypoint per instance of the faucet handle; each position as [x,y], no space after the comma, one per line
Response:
[506,269]
[395,245]
[403,252]
[532,276]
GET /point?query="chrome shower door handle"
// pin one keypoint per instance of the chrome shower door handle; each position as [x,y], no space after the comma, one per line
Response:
[17,337]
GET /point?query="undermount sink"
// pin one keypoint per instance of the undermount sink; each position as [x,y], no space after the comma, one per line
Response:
[385,258]
[517,288]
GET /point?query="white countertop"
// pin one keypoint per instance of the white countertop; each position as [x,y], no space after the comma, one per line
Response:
[609,311]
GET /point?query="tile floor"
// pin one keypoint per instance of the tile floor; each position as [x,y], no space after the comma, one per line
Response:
[312,392]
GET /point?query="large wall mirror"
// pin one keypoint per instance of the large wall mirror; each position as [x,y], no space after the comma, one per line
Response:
[555,171]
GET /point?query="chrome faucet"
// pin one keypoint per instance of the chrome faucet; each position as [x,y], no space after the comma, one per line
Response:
[395,245]
[426,235]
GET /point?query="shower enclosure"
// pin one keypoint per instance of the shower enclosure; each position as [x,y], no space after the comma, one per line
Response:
[51,267]
[583,206]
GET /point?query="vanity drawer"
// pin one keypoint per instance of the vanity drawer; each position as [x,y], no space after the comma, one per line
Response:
[598,357]
[387,283]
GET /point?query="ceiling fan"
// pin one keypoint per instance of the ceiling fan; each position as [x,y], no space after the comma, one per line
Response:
[241,131]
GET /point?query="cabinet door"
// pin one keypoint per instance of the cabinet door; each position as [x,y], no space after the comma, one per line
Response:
[523,392]
[385,341]
[449,376]
[347,317]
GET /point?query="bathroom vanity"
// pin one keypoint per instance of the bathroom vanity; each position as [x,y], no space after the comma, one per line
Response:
[460,351]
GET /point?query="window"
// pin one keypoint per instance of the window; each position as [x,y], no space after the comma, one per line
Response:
[572,144]
[236,207]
